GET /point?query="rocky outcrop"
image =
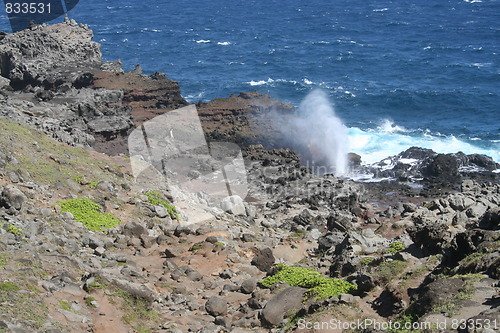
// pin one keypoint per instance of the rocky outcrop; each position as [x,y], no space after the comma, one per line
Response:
[49,56]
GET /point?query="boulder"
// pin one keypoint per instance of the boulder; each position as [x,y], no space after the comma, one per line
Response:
[234,205]
[264,260]
[281,305]
[216,306]
[12,197]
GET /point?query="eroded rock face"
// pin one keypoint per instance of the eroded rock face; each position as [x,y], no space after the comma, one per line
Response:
[49,56]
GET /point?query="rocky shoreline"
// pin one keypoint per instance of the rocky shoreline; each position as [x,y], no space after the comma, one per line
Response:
[421,248]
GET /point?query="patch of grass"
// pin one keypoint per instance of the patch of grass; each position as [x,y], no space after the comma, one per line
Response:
[93,183]
[220,244]
[13,230]
[298,234]
[137,312]
[367,260]
[88,213]
[452,306]
[89,301]
[65,305]
[319,286]
[78,178]
[395,247]
[3,260]
[22,307]
[195,247]
[9,287]
[154,198]
[388,270]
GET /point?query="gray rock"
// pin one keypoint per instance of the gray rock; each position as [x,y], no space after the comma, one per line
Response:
[4,82]
[234,205]
[282,304]
[161,211]
[172,252]
[134,229]
[12,197]
[264,260]
[216,306]
[249,285]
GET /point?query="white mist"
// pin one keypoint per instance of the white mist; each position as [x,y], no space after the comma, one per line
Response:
[321,132]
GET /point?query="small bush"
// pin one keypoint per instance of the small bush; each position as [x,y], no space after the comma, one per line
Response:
[388,270]
[396,247]
[65,305]
[8,287]
[154,198]
[88,213]
[319,286]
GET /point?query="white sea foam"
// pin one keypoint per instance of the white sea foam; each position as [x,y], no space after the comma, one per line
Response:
[224,43]
[306,81]
[203,41]
[390,139]
[381,10]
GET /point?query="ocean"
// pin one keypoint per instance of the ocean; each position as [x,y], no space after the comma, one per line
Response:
[399,73]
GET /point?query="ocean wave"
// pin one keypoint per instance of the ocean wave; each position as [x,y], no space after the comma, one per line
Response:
[203,41]
[224,43]
[270,81]
[380,10]
[389,139]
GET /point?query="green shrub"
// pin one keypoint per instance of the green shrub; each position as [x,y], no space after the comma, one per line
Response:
[89,300]
[388,270]
[318,285]
[88,213]
[8,287]
[13,230]
[396,247]
[65,305]
[154,198]
[367,260]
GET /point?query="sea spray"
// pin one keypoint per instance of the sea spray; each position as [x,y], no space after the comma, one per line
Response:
[320,133]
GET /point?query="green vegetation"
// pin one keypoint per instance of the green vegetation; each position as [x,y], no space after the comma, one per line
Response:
[319,286]
[88,213]
[137,312]
[65,305]
[220,244]
[13,230]
[367,260]
[8,287]
[22,307]
[388,270]
[93,183]
[89,301]
[3,260]
[154,198]
[195,247]
[396,247]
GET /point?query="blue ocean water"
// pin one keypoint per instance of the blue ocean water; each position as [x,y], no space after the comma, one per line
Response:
[400,72]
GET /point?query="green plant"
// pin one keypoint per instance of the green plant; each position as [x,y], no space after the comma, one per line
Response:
[93,183]
[386,271]
[78,178]
[318,285]
[137,311]
[396,247]
[88,213]
[89,301]
[220,244]
[3,260]
[8,287]
[195,247]
[13,230]
[154,198]
[367,260]
[65,305]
